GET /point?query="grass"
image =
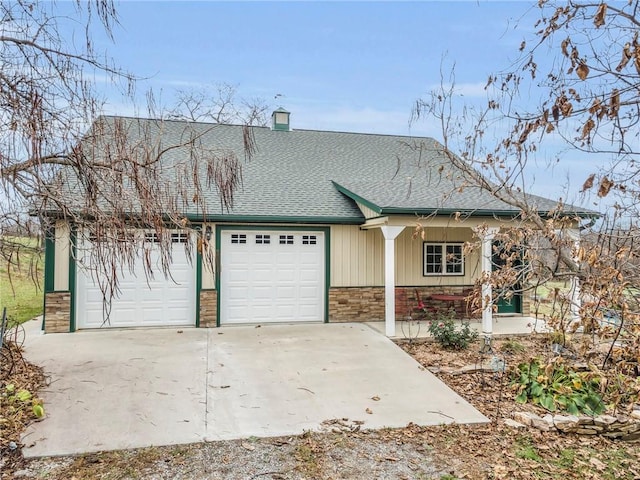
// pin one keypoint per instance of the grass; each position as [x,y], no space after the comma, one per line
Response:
[527,450]
[545,294]
[512,346]
[21,283]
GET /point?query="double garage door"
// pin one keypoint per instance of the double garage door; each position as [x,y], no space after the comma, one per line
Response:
[264,276]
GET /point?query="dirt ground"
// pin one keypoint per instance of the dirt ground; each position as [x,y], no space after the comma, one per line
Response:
[344,451]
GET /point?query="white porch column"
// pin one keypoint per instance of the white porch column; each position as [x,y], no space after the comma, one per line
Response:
[574,234]
[486,253]
[390,233]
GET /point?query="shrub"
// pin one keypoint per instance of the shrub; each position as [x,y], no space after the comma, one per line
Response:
[444,332]
[556,387]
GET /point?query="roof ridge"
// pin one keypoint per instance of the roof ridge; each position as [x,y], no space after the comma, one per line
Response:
[293,130]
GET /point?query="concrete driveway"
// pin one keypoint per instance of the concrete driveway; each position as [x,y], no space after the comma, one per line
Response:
[133,388]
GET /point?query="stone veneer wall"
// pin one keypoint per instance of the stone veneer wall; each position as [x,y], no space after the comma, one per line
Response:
[366,304]
[57,312]
[526,305]
[208,308]
[462,308]
[356,304]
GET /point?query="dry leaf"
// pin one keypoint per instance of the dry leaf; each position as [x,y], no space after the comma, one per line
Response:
[605,187]
[588,183]
[369,411]
[626,56]
[597,464]
[582,71]
[565,44]
[587,127]
[598,19]
[248,446]
[614,103]
[375,398]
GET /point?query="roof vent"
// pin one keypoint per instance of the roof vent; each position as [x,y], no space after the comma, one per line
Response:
[280,120]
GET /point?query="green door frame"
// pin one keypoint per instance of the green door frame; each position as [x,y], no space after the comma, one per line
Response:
[512,304]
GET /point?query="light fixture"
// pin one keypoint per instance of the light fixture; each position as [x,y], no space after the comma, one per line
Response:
[207,233]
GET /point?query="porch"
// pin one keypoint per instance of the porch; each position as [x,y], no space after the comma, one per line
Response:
[503,325]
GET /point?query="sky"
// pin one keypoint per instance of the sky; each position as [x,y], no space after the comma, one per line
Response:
[354,66]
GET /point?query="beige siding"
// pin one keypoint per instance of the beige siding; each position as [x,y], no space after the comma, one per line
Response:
[409,257]
[357,257]
[61,257]
[367,212]
[208,261]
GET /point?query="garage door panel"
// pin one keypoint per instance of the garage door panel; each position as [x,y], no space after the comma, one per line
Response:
[308,275]
[270,282]
[155,300]
[262,275]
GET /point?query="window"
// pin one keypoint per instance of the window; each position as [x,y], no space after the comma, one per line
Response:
[238,238]
[443,259]
[179,237]
[309,240]
[151,238]
[263,239]
[286,239]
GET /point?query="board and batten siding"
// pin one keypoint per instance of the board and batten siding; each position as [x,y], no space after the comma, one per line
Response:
[409,257]
[208,261]
[357,257]
[367,212]
[61,256]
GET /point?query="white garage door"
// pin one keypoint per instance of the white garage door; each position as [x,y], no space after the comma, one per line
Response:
[142,302]
[272,276]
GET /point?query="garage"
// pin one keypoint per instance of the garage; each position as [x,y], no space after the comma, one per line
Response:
[144,301]
[269,276]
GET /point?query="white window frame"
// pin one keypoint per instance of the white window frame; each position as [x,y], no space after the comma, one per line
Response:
[444,259]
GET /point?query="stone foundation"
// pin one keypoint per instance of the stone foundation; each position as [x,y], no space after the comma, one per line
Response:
[57,312]
[208,308]
[366,304]
[409,295]
[527,305]
[356,304]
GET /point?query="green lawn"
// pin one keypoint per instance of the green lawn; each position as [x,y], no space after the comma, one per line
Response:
[21,285]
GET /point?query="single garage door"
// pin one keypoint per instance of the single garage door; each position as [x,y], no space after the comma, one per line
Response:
[272,276]
[143,301]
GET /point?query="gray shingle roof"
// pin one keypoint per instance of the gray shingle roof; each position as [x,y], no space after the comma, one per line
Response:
[314,176]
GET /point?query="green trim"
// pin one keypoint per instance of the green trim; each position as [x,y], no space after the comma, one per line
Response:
[49,259]
[327,251]
[73,234]
[467,212]
[49,269]
[300,228]
[217,273]
[230,218]
[511,214]
[225,218]
[357,198]
[327,272]
[198,281]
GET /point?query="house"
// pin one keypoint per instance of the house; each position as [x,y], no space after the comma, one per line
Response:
[321,229]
